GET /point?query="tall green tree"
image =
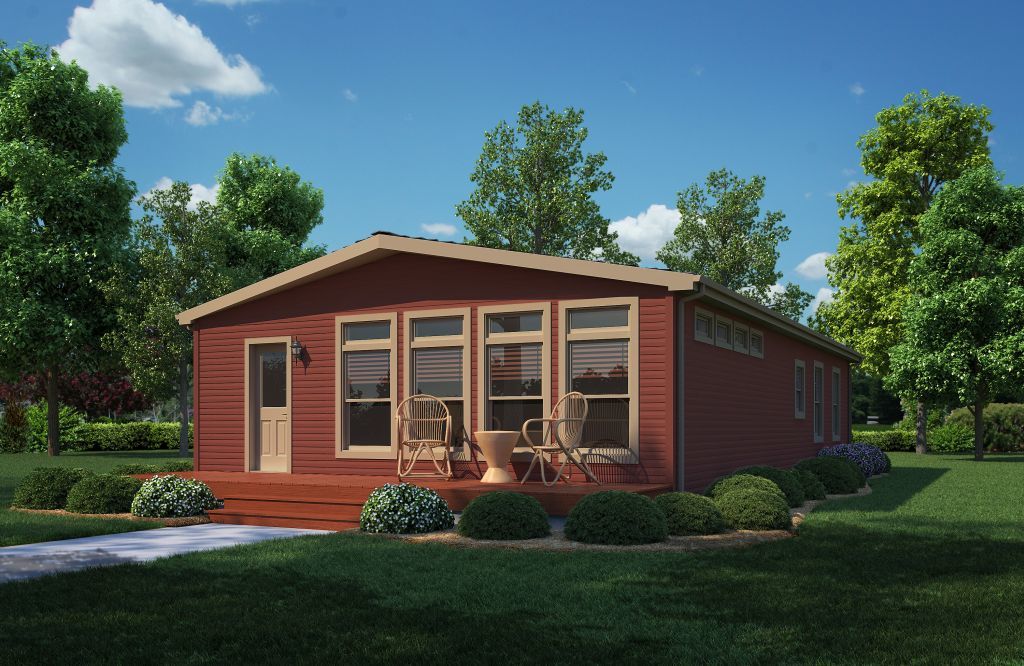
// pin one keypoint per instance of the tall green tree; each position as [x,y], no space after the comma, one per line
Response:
[964,325]
[273,210]
[64,216]
[723,235]
[535,190]
[915,148]
[181,262]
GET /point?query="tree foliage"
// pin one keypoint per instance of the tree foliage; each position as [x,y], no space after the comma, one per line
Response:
[535,188]
[64,214]
[964,325]
[723,236]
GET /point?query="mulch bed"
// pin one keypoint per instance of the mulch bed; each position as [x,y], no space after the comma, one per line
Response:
[167,522]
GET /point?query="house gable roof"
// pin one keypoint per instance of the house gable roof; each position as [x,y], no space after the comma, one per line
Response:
[383,244]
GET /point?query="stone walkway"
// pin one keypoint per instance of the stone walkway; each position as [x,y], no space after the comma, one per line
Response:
[40,559]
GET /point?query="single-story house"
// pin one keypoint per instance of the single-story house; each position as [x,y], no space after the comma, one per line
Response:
[301,373]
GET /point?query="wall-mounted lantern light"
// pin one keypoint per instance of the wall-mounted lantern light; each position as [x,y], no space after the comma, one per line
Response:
[296,349]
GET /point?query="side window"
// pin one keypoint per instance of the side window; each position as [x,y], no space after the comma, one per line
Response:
[799,389]
[756,343]
[741,338]
[703,325]
[723,332]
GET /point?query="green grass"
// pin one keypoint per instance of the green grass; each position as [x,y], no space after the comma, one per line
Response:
[17,527]
[927,569]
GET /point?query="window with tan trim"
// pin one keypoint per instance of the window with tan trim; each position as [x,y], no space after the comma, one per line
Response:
[741,338]
[514,365]
[799,389]
[836,377]
[819,402]
[756,343]
[723,332]
[703,326]
[599,357]
[437,363]
[365,397]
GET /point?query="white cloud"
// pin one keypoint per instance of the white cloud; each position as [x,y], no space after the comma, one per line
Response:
[152,54]
[849,172]
[824,295]
[349,95]
[647,232]
[439,229]
[231,3]
[813,267]
[629,87]
[857,89]
[202,114]
[252,20]
[200,192]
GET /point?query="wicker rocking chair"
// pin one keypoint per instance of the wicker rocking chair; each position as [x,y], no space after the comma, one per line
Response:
[424,426]
[561,433]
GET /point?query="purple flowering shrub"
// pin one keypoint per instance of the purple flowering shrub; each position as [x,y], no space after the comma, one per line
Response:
[870,459]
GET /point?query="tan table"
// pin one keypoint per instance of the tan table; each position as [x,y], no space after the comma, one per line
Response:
[497,446]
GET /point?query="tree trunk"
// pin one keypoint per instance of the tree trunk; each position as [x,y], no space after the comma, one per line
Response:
[183,405]
[921,446]
[52,413]
[979,430]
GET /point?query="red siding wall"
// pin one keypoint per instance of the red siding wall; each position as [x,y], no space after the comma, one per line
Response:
[400,283]
[739,409]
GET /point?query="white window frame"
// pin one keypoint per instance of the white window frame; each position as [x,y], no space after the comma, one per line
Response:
[836,413]
[465,341]
[818,401]
[728,322]
[699,313]
[341,448]
[631,332]
[736,328]
[799,393]
[751,333]
[485,338]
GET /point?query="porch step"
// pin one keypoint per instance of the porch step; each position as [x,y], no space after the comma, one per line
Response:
[287,517]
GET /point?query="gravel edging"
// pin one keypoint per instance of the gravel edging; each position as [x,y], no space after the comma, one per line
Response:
[166,522]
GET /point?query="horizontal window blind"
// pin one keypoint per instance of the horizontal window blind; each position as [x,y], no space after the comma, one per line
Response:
[368,374]
[438,371]
[599,366]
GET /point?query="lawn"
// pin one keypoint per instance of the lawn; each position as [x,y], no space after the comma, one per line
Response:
[928,568]
[17,527]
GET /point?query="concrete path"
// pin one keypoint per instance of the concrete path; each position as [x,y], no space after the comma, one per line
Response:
[40,559]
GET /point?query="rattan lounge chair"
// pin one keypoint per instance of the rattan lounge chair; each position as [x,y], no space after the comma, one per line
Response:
[561,434]
[424,426]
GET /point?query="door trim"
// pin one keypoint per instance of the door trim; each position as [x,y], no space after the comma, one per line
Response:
[249,407]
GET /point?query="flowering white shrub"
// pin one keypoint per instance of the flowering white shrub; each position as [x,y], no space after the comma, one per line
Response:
[172,497]
[405,509]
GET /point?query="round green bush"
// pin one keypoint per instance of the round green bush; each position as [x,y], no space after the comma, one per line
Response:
[749,509]
[727,484]
[172,497]
[616,517]
[103,493]
[783,478]
[405,509]
[47,487]
[813,488]
[689,513]
[504,515]
[839,476]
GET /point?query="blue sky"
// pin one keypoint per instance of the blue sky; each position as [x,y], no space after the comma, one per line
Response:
[384,105]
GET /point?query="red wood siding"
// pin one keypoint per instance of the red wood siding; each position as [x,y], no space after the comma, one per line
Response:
[398,284]
[739,409]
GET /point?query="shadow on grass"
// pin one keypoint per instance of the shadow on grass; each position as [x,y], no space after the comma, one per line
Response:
[889,492]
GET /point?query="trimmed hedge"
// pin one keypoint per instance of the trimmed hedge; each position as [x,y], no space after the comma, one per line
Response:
[172,497]
[754,510]
[1004,425]
[153,468]
[887,440]
[405,508]
[783,478]
[813,488]
[839,476]
[616,517]
[504,515]
[742,482]
[103,493]
[688,513]
[951,438]
[47,487]
[131,436]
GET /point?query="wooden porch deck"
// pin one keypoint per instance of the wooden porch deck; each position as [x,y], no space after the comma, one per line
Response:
[333,501]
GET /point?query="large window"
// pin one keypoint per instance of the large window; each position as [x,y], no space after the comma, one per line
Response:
[599,358]
[437,363]
[819,402]
[366,395]
[799,389]
[514,365]
[836,375]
